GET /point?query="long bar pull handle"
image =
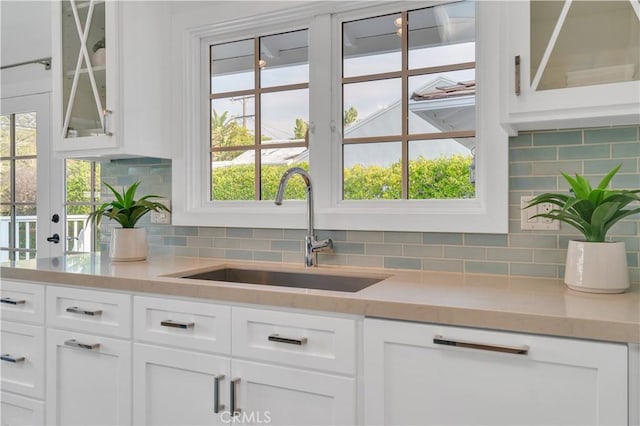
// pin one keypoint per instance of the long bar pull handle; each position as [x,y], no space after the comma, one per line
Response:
[517,70]
[292,341]
[518,350]
[216,394]
[107,114]
[176,324]
[11,358]
[75,344]
[77,310]
[10,301]
[235,411]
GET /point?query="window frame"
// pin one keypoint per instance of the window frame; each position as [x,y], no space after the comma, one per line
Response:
[487,213]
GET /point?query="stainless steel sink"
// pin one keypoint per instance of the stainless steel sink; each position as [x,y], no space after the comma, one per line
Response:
[289,279]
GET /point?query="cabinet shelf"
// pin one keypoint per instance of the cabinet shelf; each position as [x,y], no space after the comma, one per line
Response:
[96,69]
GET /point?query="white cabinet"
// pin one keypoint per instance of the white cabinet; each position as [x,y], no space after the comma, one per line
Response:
[179,387]
[204,369]
[276,395]
[108,79]
[570,64]
[17,410]
[88,379]
[88,366]
[22,364]
[431,374]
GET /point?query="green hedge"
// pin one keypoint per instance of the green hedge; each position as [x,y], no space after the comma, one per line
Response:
[443,178]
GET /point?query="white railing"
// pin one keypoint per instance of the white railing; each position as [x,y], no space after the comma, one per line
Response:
[77,239]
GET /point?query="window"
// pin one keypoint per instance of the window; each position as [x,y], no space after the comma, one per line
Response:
[408,93]
[18,186]
[82,197]
[387,117]
[259,114]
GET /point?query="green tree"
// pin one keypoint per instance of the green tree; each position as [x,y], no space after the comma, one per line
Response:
[300,129]
[225,131]
[350,116]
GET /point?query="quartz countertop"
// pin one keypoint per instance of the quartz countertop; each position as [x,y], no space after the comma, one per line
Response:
[520,304]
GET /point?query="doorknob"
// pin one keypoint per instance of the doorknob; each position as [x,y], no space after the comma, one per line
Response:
[55,238]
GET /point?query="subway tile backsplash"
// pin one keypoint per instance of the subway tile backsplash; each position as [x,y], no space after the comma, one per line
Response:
[535,161]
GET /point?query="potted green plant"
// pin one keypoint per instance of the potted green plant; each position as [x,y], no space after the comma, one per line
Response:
[593,264]
[128,243]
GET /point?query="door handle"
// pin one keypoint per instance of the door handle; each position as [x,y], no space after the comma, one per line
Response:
[55,238]
[235,411]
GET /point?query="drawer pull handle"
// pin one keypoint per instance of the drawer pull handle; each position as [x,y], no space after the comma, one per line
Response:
[216,394]
[176,324]
[10,301]
[517,71]
[277,338]
[235,411]
[75,344]
[11,358]
[76,310]
[518,350]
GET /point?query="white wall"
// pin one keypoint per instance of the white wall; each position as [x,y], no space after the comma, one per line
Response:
[25,34]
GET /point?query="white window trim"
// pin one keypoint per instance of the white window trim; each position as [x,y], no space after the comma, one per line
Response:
[487,213]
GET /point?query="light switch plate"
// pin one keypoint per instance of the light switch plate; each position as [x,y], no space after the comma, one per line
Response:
[538,223]
[161,217]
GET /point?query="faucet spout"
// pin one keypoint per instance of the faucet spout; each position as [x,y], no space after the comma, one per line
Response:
[311,246]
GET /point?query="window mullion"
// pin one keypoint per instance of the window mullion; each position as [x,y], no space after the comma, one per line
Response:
[12,183]
[405,104]
[257,121]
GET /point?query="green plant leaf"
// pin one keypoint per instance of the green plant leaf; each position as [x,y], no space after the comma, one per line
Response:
[604,183]
[601,216]
[579,190]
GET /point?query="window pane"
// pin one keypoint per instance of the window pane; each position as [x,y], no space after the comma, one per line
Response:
[442,35]
[78,235]
[274,163]
[5,136]
[5,225]
[233,179]
[26,226]
[371,46]
[377,106]
[78,181]
[232,121]
[442,102]
[26,181]
[285,116]
[439,168]
[372,171]
[5,181]
[284,59]
[232,66]
[26,134]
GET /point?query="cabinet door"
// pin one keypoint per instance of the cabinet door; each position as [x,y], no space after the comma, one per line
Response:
[175,387]
[22,364]
[414,374]
[288,396]
[88,379]
[20,411]
[578,61]
[85,79]
[22,301]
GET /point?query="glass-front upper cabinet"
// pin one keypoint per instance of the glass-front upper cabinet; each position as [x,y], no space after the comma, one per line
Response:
[572,62]
[86,75]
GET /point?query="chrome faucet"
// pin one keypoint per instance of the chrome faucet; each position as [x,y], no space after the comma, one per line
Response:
[311,245]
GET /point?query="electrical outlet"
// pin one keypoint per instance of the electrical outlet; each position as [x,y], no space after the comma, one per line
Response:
[526,223]
[162,217]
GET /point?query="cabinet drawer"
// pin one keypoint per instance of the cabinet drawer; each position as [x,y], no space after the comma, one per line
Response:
[22,301]
[22,364]
[309,341]
[89,310]
[18,410]
[187,325]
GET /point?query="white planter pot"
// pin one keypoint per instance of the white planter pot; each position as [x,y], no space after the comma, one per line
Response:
[99,57]
[597,267]
[128,244]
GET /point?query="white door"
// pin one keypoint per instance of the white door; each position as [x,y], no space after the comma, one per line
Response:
[175,387]
[31,185]
[429,374]
[88,379]
[276,395]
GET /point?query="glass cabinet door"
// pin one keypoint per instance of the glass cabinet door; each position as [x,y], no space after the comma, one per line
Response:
[583,43]
[84,66]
